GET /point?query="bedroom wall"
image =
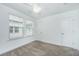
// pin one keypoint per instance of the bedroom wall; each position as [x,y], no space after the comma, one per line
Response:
[50,29]
[5,43]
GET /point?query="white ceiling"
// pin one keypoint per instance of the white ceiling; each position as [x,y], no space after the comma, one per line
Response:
[47,9]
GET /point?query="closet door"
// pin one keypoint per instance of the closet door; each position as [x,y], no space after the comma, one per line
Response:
[70,29]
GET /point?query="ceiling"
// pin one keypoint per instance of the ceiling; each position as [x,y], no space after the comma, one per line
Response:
[47,9]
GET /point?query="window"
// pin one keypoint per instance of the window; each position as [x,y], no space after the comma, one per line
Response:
[16,29]
[19,27]
[16,26]
[11,29]
[28,28]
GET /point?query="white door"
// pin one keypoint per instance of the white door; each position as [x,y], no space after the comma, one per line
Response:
[70,28]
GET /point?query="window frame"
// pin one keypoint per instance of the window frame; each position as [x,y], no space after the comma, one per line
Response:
[19,28]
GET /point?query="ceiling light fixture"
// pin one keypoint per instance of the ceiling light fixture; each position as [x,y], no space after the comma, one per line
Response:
[36,8]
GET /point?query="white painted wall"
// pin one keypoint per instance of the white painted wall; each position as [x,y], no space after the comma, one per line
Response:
[5,43]
[50,29]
